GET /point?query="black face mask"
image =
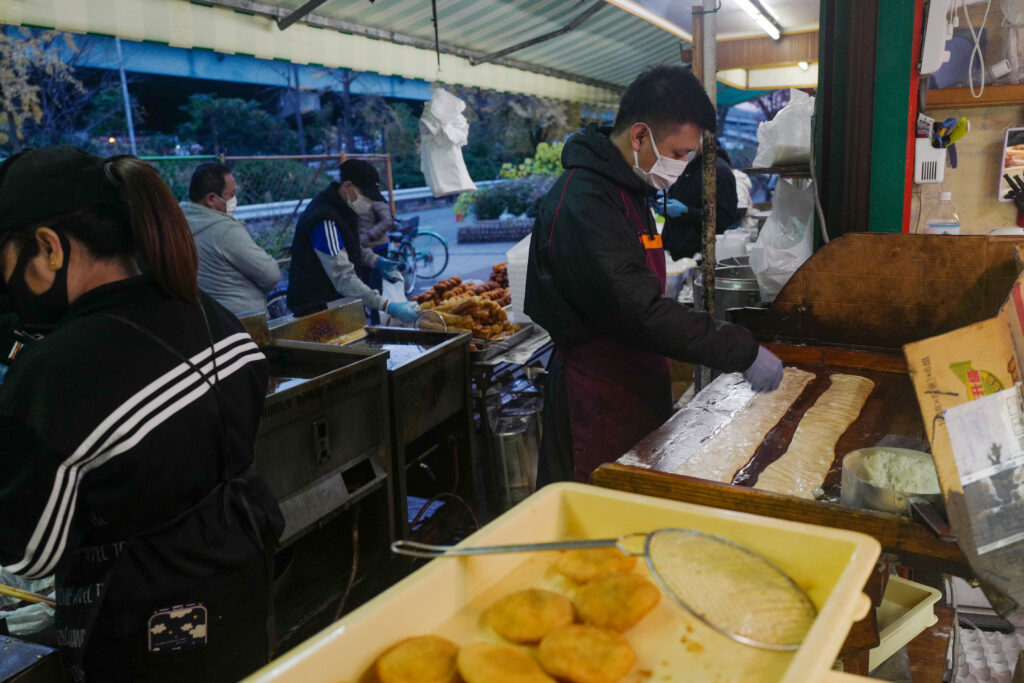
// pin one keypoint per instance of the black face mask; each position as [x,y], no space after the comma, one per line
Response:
[39,310]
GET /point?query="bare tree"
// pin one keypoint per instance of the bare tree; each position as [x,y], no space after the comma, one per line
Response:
[35,82]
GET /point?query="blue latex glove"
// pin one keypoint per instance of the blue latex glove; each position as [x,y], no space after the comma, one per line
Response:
[675,208]
[765,373]
[388,269]
[406,311]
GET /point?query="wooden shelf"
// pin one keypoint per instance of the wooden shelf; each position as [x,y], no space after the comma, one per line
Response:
[960,98]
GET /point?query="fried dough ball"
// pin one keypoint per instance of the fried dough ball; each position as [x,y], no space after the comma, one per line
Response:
[586,654]
[525,616]
[424,659]
[496,663]
[586,564]
[616,601]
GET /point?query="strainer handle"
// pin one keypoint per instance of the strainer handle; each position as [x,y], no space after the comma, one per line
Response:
[415,549]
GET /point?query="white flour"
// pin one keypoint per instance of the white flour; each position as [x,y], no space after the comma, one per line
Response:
[899,472]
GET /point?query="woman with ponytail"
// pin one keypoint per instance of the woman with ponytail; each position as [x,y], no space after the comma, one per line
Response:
[127,429]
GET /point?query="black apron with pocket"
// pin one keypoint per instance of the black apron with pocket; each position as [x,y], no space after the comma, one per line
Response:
[188,600]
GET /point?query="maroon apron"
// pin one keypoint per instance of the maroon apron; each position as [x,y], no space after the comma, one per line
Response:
[617,394]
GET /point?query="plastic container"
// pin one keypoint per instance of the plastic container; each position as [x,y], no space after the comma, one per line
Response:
[447,597]
[942,219]
[907,609]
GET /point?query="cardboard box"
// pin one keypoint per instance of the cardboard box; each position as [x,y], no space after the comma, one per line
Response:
[967,387]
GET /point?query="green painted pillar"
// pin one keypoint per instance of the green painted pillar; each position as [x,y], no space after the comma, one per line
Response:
[893,60]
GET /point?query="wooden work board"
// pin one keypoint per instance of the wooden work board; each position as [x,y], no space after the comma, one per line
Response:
[874,290]
[891,410]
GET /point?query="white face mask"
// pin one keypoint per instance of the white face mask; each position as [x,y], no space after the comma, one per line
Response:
[664,172]
[360,204]
[230,205]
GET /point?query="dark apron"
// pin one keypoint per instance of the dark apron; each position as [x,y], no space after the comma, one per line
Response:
[616,393]
[187,600]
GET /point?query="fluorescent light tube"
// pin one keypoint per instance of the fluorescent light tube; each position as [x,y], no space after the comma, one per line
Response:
[768,27]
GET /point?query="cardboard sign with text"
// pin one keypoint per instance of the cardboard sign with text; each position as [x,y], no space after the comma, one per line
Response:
[967,384]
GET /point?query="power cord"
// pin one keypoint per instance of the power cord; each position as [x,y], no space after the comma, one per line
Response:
[814,189]
[446,494]
[355,563]
[976,51]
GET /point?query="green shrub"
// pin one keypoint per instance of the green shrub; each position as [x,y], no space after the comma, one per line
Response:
[546,160]
[517,196]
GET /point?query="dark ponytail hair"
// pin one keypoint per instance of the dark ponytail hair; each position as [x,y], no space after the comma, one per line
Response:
[160,234]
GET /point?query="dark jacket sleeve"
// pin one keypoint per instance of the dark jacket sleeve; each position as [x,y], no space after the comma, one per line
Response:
[30,466]
[601,268]
[683,235]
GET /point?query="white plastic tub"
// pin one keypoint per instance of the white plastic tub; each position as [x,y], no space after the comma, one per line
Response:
[447,597]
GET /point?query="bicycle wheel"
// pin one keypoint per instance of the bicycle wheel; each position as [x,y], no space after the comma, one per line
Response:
[431,254]
[407,256]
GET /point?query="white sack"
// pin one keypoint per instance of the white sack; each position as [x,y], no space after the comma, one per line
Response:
[786,240]
[444,131]
[786,139]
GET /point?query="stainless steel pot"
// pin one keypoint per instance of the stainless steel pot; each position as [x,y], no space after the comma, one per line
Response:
[735,287]
[858,491]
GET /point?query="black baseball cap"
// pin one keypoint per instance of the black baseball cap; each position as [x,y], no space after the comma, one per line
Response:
[39,184]
[363,175]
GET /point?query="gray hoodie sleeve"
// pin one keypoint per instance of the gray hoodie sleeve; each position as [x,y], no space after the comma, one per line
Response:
[343,276]
[239,249]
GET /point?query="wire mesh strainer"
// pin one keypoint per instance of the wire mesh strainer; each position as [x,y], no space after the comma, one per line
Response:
[732,589]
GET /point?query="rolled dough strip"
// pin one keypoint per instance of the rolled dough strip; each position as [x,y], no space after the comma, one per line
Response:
[718,458]
[802,468]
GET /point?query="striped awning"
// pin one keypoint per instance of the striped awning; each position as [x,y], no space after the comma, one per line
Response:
[591,63]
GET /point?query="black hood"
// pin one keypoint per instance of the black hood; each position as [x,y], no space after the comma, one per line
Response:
[592,149]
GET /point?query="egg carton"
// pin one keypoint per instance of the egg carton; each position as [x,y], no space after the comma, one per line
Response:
[986,656]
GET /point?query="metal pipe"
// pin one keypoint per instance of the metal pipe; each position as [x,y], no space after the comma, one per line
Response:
[295,16]
[571,26]
[127,99]
[707,45]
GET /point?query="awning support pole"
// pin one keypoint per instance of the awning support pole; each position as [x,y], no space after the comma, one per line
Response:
[295,16]
[571,26]
[705,34]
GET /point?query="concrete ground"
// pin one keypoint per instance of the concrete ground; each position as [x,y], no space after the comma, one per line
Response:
[468,261]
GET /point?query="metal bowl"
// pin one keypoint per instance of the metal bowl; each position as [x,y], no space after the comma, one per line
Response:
[857,491]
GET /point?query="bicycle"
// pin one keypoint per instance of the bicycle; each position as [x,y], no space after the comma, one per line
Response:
[420,253]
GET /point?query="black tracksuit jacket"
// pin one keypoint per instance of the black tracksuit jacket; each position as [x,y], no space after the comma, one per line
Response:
[105,434]
[588,274]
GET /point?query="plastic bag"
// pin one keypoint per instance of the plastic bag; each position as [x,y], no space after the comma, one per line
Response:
[443,133]
[786,139]
[392,291]
[786,239]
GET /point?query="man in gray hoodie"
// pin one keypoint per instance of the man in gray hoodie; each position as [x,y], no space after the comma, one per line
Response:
[233,269]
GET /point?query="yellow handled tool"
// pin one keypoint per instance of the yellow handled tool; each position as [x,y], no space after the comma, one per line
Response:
[27,596]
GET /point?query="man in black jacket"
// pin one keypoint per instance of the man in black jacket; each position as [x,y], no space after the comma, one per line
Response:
[596,282]
[683,233]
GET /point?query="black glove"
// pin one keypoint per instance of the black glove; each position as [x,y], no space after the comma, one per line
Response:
[1016,192]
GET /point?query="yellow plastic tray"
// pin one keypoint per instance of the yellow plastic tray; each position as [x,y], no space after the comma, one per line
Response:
[447,597]
[907,609]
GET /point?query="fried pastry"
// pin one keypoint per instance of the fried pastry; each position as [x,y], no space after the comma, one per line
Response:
[525,616]
[616,601]
[586,654]
[496,663]
[423,659]
[586,564]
